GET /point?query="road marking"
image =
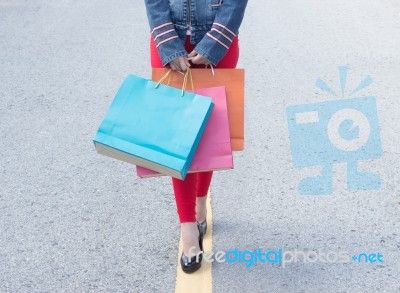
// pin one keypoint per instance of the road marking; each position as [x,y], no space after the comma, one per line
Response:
[201,280]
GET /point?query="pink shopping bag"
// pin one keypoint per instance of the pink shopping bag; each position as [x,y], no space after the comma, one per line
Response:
[214,151]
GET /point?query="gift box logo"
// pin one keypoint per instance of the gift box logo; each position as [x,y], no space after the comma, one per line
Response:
[325,133]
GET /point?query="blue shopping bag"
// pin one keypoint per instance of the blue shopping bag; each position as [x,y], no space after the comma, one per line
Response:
[153,126]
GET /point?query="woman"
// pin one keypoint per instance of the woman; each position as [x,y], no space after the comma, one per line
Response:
[194,33]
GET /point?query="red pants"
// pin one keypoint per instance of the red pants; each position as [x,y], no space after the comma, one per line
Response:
[195,184]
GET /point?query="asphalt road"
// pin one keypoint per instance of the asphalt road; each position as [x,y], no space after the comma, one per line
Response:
[72,220]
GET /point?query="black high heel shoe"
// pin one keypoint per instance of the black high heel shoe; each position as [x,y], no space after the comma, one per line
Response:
[195,263]
[202,232]
[192,265]
[203,225]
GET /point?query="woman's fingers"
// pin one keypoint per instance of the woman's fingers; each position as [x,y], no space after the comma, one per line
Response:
[192,54]
[187,62]
[180,64]
[173,67]
[198,59]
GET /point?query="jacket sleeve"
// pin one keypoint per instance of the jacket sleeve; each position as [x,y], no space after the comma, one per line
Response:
[225,28]
[163,32]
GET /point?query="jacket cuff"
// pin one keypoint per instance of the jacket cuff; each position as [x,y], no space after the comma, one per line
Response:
[215,43]
[168,58]
[168,43]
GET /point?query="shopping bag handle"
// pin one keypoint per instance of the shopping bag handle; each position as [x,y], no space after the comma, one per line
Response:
[170,73]
[206,66]
[211,67]
[185,78]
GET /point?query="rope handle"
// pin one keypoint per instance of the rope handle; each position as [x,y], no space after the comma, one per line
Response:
[211,67]
[170,73]
[188,74]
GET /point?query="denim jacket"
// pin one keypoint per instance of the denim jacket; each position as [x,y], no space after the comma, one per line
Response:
[213,24]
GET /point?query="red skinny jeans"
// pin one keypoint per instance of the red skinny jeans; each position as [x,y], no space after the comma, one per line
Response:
[195,184]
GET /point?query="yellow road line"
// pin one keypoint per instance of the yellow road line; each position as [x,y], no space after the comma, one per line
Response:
[201,280]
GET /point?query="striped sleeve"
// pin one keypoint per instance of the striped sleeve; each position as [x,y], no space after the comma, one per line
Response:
[163,32]
[221,34]
[225,28]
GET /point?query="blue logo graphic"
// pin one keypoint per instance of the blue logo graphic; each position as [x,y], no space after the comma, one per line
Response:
[337,131]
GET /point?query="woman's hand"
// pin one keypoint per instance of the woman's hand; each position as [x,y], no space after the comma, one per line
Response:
[196,58]
[180,63]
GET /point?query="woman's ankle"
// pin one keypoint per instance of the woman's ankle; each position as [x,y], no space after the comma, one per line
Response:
[201,208]
[190,238]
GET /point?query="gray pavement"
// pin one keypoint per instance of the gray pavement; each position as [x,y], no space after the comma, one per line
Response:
[74,221]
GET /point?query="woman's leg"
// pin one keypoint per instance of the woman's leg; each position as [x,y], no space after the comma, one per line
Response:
[185,198]
[203,184]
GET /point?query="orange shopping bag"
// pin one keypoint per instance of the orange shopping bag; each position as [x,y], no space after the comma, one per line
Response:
[233,80]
